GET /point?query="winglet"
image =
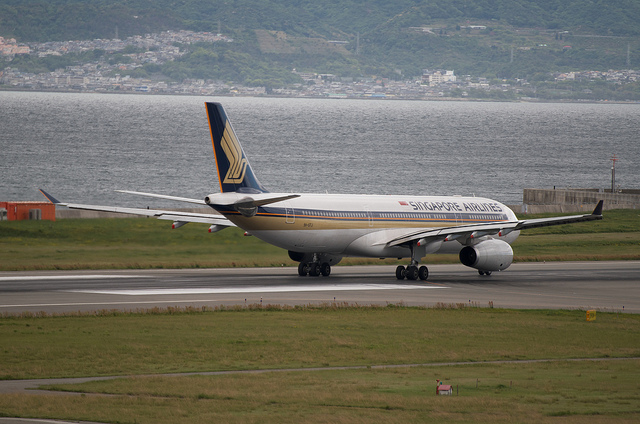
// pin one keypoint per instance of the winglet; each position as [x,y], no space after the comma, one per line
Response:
[598,209]
[49,197]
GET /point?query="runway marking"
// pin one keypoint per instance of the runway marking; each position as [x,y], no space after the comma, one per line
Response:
[260,289]
[107,303]
[68,277]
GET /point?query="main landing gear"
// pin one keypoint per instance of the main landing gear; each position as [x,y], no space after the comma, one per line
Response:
[314,269]
[412,272]
[314,264]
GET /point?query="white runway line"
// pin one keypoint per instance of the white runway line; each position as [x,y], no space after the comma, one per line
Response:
[260,289]
[155,302]
[68,277]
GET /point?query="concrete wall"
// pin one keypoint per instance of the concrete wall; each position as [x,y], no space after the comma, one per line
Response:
[576,200]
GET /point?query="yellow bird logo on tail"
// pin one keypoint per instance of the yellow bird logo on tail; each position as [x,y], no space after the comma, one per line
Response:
[237,163]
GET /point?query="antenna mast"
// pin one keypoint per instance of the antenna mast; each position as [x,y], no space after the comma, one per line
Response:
[614,159]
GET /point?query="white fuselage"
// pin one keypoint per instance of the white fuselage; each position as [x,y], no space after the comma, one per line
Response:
[361,225]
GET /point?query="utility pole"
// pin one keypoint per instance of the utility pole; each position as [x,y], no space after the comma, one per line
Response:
[629,55]
[614,159]
[358,43]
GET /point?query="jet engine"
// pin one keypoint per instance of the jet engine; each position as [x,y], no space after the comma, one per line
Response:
[488,255]
[299,256]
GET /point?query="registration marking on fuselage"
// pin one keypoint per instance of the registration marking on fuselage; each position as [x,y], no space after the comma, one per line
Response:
[260,289]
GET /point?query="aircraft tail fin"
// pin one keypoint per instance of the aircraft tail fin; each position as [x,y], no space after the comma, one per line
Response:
[234,171]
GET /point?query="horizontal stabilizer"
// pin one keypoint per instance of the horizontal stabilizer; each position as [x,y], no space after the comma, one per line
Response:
[246,205]
[234,198]
[163,196]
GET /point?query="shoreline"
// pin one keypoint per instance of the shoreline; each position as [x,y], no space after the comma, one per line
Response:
[367,98]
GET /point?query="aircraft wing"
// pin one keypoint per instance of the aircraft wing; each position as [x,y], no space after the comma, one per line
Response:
[559,220]
[179,218]
[463,232]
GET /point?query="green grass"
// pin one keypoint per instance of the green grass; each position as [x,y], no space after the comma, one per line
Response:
[149,243]
[272,337]
[275,338]
[593,391]
[127,243]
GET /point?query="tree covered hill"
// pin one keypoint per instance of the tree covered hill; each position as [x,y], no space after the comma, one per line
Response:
[495,38]
[51,20]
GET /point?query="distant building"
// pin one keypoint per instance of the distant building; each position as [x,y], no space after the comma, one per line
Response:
[9,47]
[438,77]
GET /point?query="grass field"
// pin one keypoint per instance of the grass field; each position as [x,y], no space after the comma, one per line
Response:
[148,243]
[595,392]
[275,338]
[123,344]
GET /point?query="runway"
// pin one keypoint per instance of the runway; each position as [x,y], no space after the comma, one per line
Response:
[605,286]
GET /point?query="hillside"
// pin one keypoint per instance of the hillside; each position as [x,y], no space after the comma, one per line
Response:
[396,40]
[39,20]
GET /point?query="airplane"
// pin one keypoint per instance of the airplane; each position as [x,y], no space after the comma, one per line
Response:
[318,230]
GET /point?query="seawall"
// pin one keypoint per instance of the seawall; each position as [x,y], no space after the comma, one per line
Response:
[536,200]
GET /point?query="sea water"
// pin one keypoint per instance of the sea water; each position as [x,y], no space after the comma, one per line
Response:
[82,147]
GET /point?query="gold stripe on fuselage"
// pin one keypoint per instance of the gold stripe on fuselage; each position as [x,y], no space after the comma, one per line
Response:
[268,222]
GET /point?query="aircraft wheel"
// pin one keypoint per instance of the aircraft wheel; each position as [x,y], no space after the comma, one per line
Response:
[325,269]
[400,272]
[314,269]
[423,273]
[481,272]
[412,272]
[487,273]
[303,269]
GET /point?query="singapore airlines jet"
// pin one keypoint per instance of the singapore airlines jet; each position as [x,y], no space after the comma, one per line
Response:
[319,230]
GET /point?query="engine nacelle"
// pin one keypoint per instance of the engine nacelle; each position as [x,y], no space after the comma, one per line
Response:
[488,255]
[299,256]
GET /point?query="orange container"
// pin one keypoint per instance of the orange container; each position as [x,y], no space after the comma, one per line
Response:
[18,211]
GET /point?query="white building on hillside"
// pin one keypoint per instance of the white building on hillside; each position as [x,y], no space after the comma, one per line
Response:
[438,77]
